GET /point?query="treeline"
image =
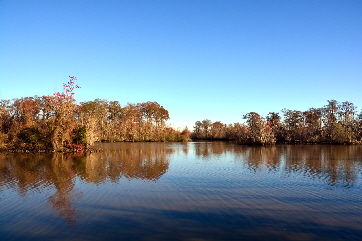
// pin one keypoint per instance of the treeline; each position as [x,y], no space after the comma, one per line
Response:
[335,123]
[56,122]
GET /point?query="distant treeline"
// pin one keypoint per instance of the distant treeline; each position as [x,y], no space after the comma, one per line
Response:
[56,122]
[335,123]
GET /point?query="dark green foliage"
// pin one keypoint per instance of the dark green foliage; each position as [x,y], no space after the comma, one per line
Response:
[79,135]
[30,138]
[30,135]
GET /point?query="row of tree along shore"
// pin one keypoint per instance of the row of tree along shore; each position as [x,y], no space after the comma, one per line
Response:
[335,123]
[57,123]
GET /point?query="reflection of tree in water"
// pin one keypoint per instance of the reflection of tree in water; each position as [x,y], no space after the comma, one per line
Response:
[337,164]
[214,148]
[146,161]
[62,202]
[39,172]
[257,157]
[20,173]
[62,176]
[334,164]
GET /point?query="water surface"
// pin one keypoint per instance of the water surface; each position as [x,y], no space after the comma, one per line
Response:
[184,191]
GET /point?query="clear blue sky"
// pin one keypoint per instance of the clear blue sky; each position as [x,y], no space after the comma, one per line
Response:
[200,59]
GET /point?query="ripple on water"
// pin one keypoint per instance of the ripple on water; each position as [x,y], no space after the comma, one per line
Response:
[191,191]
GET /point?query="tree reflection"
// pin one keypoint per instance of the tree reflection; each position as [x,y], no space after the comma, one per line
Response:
[39,173]
[146,161]
[62,176]
[27,173]
[215,148]
[334,164]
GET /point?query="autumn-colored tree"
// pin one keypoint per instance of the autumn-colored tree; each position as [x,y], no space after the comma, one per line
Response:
[114,121]
[93,116]
[218,130]
[26,129]
[152,122]
[347,112]
[197,130]
[56,122]
[5,122]
[294,126]
[260,131]
[240,133]
[313,121]
[358,129]
[131,117]
[185,134]
[335,123]
[330,120]
[206,127]
[276,125]
[63,107]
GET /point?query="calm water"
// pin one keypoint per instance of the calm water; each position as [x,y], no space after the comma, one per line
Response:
[184,191]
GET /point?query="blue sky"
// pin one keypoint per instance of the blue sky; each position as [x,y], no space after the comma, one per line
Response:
[200,59]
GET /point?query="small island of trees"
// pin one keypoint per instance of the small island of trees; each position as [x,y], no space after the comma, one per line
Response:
[57,123]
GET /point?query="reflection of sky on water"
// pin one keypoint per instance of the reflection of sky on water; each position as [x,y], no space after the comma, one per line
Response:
[185,191]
